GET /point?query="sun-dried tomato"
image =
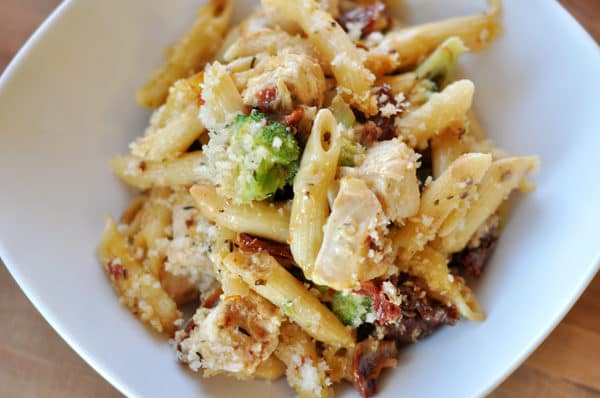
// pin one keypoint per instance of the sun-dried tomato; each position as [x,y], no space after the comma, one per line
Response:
[293,118]
[471,260]
[421,314]
[116,270]
[370,358]
[385,310]
[369,18]
[266,97]
[249,243]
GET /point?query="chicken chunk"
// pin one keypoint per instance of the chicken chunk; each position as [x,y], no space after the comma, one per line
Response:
[269,42]
[188,269]
[285,81]
[355,246]
[235,337]
[390,171]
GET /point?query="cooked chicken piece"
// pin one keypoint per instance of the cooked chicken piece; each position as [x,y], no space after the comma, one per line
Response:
[390,171]
[221,98]
[285,81]
[178,287]
[355,247]
[236,336]
[275,17]
[188,268]
[270,42]
[306,370]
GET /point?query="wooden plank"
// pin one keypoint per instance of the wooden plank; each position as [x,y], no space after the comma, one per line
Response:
[18,20]
[24,375]
[587,13]
[529,382]
[572,353]
[36,362]
[586,313]
[24,330]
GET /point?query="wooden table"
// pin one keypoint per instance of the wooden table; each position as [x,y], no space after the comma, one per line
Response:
[36,362]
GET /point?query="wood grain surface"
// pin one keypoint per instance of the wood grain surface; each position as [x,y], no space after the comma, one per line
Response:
[36,362]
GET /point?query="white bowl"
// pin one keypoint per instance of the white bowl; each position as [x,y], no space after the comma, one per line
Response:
[66,106]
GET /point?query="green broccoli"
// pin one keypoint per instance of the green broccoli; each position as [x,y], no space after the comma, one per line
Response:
[440,66]
[422,91]
[266,153]
[351,308]
[349,152]
[344,115]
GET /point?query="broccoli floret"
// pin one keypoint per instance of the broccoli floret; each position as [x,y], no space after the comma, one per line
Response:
[440,66]
[349,152]
[267,155]
[351,308]
[344,115]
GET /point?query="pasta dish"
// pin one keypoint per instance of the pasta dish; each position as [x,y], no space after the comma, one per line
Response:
[314,183]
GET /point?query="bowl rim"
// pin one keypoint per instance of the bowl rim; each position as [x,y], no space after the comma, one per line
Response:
[120,384]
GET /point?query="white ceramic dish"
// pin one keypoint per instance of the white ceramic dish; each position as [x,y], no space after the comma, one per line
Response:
[66,106]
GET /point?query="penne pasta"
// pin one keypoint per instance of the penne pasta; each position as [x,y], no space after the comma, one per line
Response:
[310,206]
[133,209]
[197,46]
[156,218]
[401,83]
[432,266]
[271,369]
[176,125]
[261,219]
[130,230]
[438,201]
[474,127]
[444,109]
[144,174]
[222,100]
[138,290]
[405,48]
[503,176]
[268,278]
[446,147]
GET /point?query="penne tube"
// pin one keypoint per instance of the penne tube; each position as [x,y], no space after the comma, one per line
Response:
[132,210]
[194,48]
[137,289]
[432,266]
[475,129]
[405,48]
[144,174]
[401,83]
[310,206]
[175,126]
[501,179]
[446,147]
[156,218]
[271,369]
[438,200]
[444,109]
[269,221]
[268,278]
[221,99]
